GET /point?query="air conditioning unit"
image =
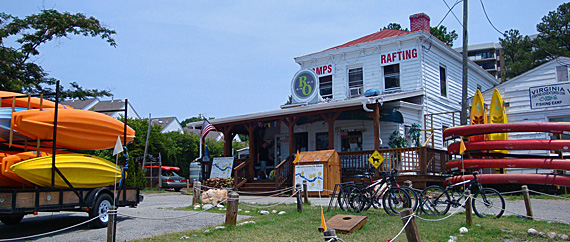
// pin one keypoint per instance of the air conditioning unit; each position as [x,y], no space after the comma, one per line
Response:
[355,91]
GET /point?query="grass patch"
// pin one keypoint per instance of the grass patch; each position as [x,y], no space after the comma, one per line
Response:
[294,226]
[520,197]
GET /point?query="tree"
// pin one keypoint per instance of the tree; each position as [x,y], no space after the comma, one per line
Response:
[554,33]
[18,73]
[518,53]
[395,26]
[439,32]
[442,34]
[522,53]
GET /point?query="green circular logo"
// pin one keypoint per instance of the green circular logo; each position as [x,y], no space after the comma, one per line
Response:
[305,85]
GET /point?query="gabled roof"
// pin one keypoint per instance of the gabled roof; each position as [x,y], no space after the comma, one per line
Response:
[162,122]
[211,135]
[80,104]
[109,105]
[382,34]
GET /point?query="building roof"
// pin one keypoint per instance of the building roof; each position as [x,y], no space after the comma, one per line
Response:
[382,34]
[162,122]
[79,104]
[211,135]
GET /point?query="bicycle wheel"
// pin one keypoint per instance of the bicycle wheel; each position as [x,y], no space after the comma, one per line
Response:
[413,196]
[488,203]
[349,198]
[435,201]
[395,200]
[372,199]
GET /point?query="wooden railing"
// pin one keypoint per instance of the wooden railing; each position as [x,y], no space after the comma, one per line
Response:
[418,160]
[284,172]
[240,172]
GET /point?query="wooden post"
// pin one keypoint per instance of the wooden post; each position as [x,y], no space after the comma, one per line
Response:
[299,200]
[527,204]
[305,192]
[330,235]
[196,192]
[231,212]
[468,208]
[111,224]
[412,228]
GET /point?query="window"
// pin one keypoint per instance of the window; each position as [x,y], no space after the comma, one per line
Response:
[325,86]
[351,141]
[355,82]
[562,73]
[392,76]
[322,141]
[443,81]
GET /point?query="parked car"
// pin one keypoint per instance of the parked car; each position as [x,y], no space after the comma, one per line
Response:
[168,177]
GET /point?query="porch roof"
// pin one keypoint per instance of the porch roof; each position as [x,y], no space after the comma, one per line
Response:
[306,109]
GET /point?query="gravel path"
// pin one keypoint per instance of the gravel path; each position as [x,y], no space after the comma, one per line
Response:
[155,216]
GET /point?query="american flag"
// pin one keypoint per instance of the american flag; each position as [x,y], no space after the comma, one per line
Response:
[206,127]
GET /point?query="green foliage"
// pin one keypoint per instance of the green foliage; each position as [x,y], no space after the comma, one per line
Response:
[18,72]
[414,132]
[439,32]
[522,53]
[395,26]
[442,34]
[519,53]
[289,100]
[397,141]
[200,117]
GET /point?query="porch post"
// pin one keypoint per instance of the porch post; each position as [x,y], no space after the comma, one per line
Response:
[330,119]
[252,150]
[376,119]
[228,137]
[290,122]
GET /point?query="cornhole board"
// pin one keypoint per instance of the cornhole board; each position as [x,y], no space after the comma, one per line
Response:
[345,224]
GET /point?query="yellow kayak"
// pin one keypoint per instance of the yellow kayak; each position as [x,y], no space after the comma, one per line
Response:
[478,114]
[82,171]
[497,115]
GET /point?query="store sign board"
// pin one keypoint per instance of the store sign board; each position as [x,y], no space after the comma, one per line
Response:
[324,70]
[305,85]
[547,96]
[397,56]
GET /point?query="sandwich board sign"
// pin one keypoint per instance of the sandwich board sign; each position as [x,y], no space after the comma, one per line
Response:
[222,167]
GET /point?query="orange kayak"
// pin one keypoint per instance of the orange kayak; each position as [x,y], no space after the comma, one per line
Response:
[76,129]
[22,101]
[17,158]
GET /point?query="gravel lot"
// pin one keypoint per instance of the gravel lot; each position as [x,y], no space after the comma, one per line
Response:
[155,216]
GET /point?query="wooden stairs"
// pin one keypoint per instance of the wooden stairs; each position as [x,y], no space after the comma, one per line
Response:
[263,185]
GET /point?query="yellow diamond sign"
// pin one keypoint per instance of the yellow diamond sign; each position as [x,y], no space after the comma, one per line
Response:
[376,159]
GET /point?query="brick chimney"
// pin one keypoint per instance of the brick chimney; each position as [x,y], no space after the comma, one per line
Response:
[419,21]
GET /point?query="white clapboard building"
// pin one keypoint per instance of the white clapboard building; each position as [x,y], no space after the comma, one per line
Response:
[538,95]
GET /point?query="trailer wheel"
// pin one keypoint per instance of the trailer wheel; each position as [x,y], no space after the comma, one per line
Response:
[177,189]
[12,219]
[100,209]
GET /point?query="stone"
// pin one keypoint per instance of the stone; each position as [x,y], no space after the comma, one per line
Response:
[246,222]
[542,234]
[532,231]
[247,211]
[551,235]
[506,230]
[263,212]
[463,230]
[184,237]
[452,238]
[239,210]
[563,237]
[281,213]
[197,207]
[206,231]
[207,206]
[220,227]
[220,206]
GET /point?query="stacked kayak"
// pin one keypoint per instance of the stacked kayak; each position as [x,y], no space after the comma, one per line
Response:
[28,123]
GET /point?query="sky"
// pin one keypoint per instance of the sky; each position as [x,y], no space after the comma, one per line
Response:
[220,59]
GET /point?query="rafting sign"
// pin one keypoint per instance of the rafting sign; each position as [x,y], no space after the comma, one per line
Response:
[549,96]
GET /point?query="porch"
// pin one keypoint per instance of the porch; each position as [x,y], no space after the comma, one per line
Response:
[421,165]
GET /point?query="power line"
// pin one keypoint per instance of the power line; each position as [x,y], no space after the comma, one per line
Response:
[457,2]
[485,11]
[452,12]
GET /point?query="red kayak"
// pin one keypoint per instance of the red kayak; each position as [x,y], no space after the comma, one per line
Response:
[541,179]
[468,130]
[559,145]
[547,163]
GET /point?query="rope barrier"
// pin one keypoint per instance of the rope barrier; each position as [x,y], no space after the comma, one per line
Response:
[446,217]
[409,217]
[53,232]
[266,192]
[541,193]
[270,206]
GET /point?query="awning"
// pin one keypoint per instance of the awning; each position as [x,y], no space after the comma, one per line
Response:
[391,115]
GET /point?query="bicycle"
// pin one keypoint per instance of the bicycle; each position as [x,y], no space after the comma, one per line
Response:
[487,202]
[359,197]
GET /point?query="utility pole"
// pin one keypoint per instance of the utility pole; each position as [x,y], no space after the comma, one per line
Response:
[464,105]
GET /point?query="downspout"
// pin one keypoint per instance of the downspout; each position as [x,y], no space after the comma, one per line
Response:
[373,100]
